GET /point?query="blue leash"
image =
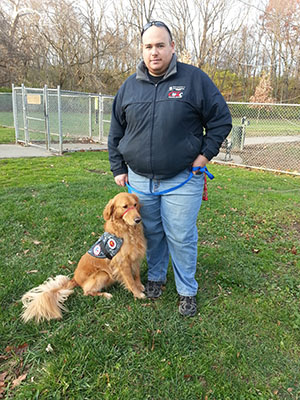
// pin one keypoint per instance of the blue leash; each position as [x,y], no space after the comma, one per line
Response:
[201,169]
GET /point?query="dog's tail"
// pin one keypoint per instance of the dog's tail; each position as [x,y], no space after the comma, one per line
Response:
[46,301]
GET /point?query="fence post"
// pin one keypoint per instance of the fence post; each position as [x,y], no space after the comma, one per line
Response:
[46,115]
[101,117]
[26,133]
[90,116]
[59,120]
[15,112]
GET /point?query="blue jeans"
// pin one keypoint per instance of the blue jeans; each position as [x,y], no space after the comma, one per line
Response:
[170,227]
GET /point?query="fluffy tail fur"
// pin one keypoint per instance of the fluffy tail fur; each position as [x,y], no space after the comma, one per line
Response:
[46,301]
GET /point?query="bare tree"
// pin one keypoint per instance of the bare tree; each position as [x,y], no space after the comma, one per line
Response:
[263,94]
[281,25]
[93,45]
[16,44]
[142,11]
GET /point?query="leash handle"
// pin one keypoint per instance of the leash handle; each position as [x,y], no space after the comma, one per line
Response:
[204,170]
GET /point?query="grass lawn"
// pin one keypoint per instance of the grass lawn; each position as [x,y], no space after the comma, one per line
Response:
[7,135]
[6,118]
[244,342]
[270,127]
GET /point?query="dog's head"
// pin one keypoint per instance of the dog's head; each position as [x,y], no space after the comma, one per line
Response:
[124,206]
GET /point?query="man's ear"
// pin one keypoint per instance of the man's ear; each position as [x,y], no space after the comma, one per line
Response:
[173,46]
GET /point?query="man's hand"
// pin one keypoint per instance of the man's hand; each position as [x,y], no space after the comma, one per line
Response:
[200,161]
[121,180]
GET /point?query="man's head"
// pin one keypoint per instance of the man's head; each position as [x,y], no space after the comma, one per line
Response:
[158,47]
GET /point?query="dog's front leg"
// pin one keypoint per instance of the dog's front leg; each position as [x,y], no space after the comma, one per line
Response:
[130,283]
[138,282]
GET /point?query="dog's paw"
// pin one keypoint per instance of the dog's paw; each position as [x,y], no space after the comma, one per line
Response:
[105,294]
[141,287]
[140,295]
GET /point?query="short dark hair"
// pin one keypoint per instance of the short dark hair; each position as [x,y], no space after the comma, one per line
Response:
[159,24]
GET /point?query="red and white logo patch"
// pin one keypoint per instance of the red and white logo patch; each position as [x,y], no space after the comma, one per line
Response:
[112,244]
[176,92]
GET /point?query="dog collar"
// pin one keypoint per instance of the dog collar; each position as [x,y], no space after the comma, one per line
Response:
[128,209]
[107,246]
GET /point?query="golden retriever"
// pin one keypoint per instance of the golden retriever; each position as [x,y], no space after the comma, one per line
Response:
[94,274]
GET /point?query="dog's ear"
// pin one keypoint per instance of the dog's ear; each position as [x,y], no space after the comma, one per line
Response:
[108,210]
[138,206]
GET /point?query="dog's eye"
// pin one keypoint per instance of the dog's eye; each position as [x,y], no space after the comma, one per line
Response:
[125,206]
[135,204]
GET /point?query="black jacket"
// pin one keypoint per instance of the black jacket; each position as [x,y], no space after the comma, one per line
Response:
[159,129]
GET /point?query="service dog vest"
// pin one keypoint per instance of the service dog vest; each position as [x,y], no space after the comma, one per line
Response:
[107,246]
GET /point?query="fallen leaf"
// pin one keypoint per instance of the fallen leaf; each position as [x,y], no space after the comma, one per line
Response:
[294,250]
[22,348]
[33,271]
[36,242]
[26,251]
[16,382]
[2,378]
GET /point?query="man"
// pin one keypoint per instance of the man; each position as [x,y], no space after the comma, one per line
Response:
[156,136]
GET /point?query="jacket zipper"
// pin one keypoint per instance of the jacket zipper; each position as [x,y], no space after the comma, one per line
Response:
[152,127]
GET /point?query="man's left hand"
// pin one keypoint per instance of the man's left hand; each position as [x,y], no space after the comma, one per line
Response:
[200,161]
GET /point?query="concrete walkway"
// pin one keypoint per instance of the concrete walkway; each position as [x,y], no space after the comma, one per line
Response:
[249,141]
[19,151]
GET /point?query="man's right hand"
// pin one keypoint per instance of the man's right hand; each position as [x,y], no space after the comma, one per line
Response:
[121,180]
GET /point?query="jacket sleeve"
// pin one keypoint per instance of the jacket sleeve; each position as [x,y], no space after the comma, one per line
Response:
[216,118]
[116,133]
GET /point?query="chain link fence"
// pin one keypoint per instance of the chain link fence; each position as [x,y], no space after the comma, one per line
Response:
[61,120]
[6,110]
[264,136]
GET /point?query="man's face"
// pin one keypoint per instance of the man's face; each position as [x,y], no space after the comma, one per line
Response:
[157,50]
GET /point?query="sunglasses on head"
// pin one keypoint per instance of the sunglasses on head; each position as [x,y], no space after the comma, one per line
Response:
[158,24]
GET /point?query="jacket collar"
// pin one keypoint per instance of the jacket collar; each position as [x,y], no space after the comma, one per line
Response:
[141,72]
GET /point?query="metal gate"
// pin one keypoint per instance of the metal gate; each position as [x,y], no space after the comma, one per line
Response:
[31,118]
[60,120]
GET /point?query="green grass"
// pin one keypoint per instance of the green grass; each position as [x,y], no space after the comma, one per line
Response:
[6,118]
[7,135]
[244,342]
[270,127]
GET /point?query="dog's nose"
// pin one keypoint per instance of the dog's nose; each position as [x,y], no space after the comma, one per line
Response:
[137,220]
